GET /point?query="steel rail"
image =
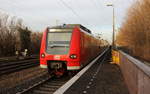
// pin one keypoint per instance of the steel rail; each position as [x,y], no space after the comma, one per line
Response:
[10,67]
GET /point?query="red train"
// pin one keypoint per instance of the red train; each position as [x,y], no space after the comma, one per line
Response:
[67,48]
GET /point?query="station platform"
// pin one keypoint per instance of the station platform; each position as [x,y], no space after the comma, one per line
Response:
[101,78]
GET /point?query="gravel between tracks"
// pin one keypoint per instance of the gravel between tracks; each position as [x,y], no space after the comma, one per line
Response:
[17,81]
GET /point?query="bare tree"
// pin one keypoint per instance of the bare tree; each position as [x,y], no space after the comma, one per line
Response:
[36,42]
[14,36]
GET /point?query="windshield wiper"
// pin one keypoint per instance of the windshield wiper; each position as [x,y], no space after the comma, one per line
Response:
[58,45]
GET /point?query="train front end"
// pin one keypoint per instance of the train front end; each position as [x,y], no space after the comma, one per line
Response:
[55,51]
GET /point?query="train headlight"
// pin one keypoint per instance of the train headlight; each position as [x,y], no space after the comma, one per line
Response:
[42,55]
[73,56]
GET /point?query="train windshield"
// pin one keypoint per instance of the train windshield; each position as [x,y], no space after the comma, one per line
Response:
[58,42]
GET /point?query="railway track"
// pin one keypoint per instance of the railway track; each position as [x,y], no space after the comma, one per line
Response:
[15,59]
[50,85]
[47,86]
[9,67]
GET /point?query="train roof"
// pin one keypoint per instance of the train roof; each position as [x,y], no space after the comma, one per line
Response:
[70,26]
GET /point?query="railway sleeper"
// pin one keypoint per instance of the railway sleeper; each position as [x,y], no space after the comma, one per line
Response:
[41,92]
[48,86]
[54,84]
[46,89]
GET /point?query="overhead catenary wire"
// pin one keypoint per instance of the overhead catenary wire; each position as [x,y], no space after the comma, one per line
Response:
[63,17]
[80,19]
[73,11]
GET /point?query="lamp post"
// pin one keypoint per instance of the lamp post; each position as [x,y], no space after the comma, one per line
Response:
[113,35]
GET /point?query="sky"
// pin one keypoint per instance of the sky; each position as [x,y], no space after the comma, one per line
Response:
[93,14]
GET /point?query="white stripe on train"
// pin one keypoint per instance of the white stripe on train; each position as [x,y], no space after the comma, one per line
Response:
[73,67]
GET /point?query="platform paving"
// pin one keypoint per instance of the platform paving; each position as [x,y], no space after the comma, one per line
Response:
[102,78]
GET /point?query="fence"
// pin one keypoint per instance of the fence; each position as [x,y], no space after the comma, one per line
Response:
[136,73]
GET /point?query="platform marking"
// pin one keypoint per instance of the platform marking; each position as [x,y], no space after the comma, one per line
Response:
[63,88]
[98,69]
[87,86]
[90,83]
[92,79]
[84,92]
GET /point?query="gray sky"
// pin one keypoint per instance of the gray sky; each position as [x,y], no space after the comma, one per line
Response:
[38,14]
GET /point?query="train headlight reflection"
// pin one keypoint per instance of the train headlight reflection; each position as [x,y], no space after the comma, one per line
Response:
[73,56]
[42,55]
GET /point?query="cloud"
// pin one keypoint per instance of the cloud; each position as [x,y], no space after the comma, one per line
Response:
[38,14]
